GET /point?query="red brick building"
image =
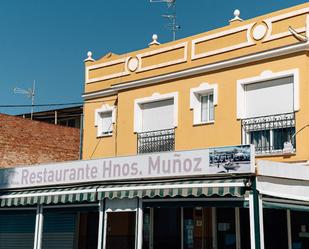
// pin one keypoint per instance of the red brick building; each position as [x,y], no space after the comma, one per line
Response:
[26,142]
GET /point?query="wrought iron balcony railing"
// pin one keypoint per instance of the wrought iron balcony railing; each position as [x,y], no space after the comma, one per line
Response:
[268,133]
[156,141]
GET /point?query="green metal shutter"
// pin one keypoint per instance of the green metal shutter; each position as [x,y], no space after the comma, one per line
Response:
[59,230]
[17,230]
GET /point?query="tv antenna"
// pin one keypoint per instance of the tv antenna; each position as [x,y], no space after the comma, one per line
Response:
[29,93]
[171,15]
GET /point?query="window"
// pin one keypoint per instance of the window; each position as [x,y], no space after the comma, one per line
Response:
[157,112]
[157,115]
[105,117]
[207,108]
[269,133]
[155,119]
[107,123]
[266,105]
[268,94]
[202,101]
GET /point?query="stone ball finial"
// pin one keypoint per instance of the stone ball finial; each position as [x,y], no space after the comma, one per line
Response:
[154,40]
[154,37]
[89,56]
[237,13]
[236,16]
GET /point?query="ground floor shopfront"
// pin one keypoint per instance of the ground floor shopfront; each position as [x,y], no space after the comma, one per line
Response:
[196,214]
[184,214]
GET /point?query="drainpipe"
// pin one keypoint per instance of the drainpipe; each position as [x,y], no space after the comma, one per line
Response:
[81,135]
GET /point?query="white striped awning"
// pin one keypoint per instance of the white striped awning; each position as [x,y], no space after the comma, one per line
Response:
[194,188]
[48,196]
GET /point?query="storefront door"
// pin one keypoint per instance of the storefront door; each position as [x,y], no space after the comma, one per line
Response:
[120,225]
[120,231]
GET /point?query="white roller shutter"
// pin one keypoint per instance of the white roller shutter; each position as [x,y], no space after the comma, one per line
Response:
[158,115]
[269,97]
[107,122]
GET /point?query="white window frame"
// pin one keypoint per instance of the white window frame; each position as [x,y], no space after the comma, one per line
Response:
[196,104]
[265,76]
[98,119]
[154,98]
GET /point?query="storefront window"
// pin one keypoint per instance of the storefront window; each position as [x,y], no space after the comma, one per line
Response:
[147,228]
[275,229]
[166,228]
[244,228]
[226,230]
[197,229]
[70,229]
[120,230]
[300,230]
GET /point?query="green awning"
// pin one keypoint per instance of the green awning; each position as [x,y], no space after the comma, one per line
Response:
[48,196]
[194,188]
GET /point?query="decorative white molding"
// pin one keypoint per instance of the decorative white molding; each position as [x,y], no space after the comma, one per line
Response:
[183,45]
[109,76]
[195,103]
[270,21]
[299,47]
[259,31]
[133,63]
[98,118]
[248,42]
[264,76]
[155,97]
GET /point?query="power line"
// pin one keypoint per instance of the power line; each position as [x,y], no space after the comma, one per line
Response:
[54,104]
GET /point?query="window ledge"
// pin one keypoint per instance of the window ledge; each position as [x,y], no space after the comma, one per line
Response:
[204,123]
[105,135]
[275,154]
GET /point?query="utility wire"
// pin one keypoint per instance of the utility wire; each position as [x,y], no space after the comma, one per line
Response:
[55,104]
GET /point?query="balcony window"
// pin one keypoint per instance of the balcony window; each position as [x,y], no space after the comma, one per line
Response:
[267,105]
[269,133]
[155,121]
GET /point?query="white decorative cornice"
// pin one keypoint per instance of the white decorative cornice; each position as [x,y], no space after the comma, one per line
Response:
[299,47]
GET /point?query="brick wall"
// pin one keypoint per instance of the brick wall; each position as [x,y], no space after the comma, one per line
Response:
[25,142]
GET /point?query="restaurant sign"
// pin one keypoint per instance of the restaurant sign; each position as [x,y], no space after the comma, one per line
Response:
[221,160]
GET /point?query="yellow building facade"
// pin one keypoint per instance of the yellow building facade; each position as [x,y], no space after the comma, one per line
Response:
[199,143]
[228,63]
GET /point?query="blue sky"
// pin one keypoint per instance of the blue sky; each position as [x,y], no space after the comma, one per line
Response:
[47,40]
